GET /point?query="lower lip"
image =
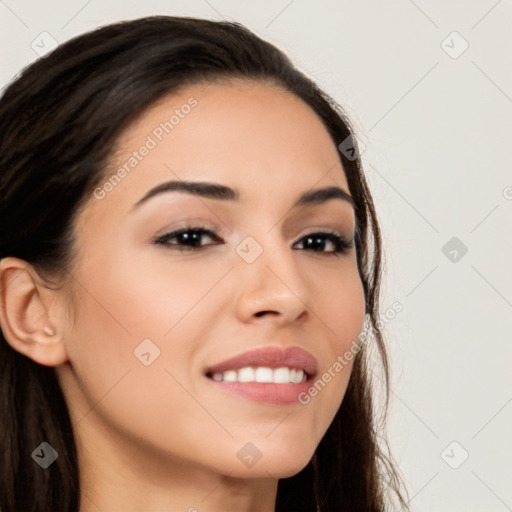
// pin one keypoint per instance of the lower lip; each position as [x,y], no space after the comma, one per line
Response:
[263,392]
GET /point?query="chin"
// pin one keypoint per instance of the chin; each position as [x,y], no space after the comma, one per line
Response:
[267,469]
[287,470]
[271,460]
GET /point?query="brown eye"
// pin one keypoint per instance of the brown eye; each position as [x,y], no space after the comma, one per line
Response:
[187,239]
[317,242]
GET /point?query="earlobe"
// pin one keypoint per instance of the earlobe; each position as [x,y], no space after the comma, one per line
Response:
[25,308]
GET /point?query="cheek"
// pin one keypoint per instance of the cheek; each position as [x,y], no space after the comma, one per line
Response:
[124,321]
[133,312]
[153,294]
[142,298]
[341,312]
[341,307]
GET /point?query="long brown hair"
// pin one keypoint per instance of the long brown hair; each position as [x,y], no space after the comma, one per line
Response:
[58,122]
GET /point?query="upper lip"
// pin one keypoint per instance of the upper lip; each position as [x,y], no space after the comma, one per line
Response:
[271,357]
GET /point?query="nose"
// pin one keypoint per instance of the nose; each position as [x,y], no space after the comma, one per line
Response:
[271,287]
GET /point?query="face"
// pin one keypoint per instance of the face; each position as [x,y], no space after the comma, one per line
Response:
[204,317]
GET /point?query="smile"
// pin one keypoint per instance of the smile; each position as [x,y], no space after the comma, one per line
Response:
[263,374]
[270,375]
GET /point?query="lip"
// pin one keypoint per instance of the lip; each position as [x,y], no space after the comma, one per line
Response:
[270,357]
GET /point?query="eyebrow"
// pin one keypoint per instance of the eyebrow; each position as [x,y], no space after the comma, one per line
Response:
[225,193]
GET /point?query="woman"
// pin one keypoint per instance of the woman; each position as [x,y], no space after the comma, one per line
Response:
[189,281]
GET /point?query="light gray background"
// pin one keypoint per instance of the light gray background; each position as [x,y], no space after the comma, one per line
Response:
[437,129]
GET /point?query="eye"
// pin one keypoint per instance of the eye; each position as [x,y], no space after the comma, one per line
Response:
[318,242]
[187,239]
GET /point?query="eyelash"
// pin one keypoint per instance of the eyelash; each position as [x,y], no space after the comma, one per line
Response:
[342,245]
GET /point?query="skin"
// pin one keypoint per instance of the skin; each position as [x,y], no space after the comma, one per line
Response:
[163,437]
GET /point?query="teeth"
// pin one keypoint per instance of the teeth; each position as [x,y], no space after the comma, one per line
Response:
[230,376]
[282,375]
[297,377]
[246,375]
[264,374]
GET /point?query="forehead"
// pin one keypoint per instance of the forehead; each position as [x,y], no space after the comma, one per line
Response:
[251,136]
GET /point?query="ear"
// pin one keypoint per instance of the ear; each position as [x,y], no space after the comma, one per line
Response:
[26,314]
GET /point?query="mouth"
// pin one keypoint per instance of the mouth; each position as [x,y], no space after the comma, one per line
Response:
[261,374]
[269,375]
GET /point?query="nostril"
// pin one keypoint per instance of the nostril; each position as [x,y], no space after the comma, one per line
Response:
[261,313]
